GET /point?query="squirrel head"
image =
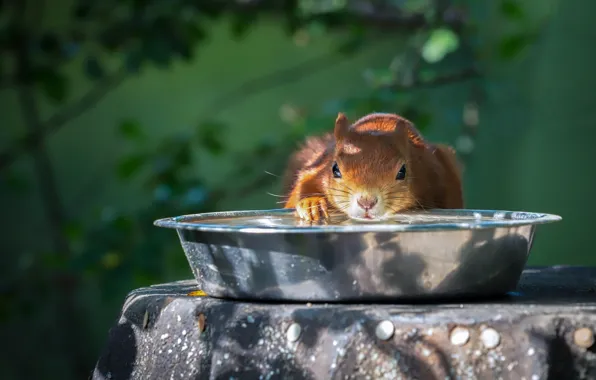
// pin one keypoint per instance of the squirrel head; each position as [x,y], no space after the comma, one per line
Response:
[371,173]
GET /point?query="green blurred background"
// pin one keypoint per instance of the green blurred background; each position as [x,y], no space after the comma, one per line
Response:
[115,113]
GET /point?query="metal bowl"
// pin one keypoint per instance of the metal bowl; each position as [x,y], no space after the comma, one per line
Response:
[271,255]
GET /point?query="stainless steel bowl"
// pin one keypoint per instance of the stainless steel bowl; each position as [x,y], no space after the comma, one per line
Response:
[270,255]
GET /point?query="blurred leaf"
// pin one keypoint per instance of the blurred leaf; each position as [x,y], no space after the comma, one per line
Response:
[133,60]
[241,23]
[183,156]
[380,77]
[54,261]
[308,7]
[440,43]
[512,9]
[316,29]
[210,9]
[111,260]
[195,196]
[511,46]
[73,231]
[131,130]
[416,6]
[355,40]
[77,36]
[427,75]
[184,50]
[93,68]
[82,10]
[195,32]
[211,136]
[75,235]
[162,193]
[15,181]
[115,35]
[161,164]
[53,84]
[157,50]
[130,165]
[49,43]
[184,38]
[70,49]
[122,224]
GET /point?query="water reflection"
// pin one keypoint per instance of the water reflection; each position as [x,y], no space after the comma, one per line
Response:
[285,218]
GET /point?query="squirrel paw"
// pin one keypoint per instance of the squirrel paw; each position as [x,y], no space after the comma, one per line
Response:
[312,209]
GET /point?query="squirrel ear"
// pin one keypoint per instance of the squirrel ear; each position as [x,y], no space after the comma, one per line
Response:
[341,126]
[408,132]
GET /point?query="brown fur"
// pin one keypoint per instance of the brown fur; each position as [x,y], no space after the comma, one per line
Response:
[369,154]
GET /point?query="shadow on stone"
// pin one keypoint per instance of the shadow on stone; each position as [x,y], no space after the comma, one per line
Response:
[118,359]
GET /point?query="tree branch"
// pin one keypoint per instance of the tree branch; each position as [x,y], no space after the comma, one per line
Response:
[357,12]
[44,172]
[51,201]
[45,175]
[266,82]
[58,120]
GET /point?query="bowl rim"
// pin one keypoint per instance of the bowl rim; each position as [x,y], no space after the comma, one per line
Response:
[182,222]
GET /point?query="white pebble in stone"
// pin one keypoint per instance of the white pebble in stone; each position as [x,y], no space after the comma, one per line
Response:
[490,337]
[459,336]
[385,330]
[293,332]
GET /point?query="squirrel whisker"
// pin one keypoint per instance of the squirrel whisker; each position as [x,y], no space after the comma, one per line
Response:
[271,174]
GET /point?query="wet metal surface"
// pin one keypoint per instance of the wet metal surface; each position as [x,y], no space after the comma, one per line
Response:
[271,255]
[542,332]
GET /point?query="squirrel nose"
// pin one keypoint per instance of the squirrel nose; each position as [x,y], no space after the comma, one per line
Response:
[367,202]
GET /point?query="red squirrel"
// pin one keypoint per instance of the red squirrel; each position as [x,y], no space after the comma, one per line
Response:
[371,169]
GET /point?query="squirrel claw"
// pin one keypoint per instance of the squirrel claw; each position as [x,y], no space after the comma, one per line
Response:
[312,209]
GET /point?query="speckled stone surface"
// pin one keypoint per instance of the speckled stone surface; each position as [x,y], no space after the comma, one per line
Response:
[164,333]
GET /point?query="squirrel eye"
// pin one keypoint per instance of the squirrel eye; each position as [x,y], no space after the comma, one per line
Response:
[401,174]
[335,169]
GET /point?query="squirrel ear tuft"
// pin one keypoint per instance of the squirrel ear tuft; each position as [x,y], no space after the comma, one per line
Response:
[341,126]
